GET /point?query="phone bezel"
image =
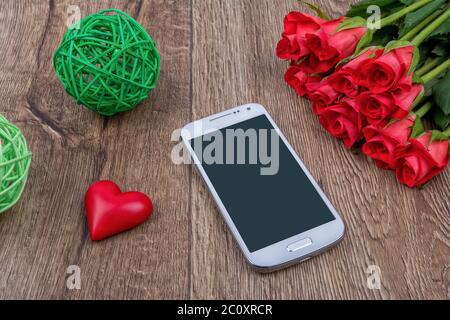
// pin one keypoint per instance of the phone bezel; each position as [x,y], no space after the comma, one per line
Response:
[276,255]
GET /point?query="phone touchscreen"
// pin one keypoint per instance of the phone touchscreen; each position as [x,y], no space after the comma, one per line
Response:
[262,186]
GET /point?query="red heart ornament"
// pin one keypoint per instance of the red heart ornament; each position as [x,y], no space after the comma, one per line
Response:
[110,211]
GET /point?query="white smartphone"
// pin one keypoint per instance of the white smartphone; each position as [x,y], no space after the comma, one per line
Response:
[274,208]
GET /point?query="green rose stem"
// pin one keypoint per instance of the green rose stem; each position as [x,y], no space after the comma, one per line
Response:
[422,112]
[436,72]
[423,35]
[414,31]
[429,66]
[400,14]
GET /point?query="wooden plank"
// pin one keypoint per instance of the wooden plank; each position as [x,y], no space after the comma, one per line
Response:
[73,147]
[404,232]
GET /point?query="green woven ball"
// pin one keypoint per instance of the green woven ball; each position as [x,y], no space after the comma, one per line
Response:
[15,159]
[108,62]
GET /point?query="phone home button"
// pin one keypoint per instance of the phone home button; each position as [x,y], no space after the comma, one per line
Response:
[299,245]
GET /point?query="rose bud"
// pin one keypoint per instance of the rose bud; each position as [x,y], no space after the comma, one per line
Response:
[343,82]
[322,95]
[382,142]
[421,160]
[405,93]
[343,122]
[328,46]
[376,108]
[384,72]
[367,55]
[299,80]
[296,26]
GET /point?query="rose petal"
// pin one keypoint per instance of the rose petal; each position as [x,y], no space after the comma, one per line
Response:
[345,41]
[300,81]
[343,82]
[301,23]
[381,143]
[404,98]
[343,122]
[376,107]
[369,55]
[435,152]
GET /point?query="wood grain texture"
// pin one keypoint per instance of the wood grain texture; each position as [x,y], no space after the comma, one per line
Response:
[215,54]
[74,147]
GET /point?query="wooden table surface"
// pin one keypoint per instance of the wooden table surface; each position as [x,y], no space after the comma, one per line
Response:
[215,54]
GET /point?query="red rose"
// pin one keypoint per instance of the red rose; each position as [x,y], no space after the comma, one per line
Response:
[299,80]
[344,41]
[384,72]
[322,95]
[312,63]
[328,47]
[367,55]
[405,93]
[343,122]
[421,160]
[300,23]
[343,82]
[376,108]
[288,48]
[296,26]
[382,142]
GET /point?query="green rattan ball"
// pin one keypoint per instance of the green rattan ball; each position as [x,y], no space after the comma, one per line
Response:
[108,63]
[15,159]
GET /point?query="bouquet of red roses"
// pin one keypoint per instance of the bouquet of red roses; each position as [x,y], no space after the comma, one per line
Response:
[373,82]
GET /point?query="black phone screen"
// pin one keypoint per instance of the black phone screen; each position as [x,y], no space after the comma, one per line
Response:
[267,194]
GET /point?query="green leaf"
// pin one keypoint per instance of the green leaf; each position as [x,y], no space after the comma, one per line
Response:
[443,29]
[391,9]
[429,87]
[407,2]
[318,10]
[365,41]
[395,44]
[442,49]
[441,120]
[424,50]
[441,94]
[417,128]
[351,23]
[415,60]
[360,9]
[414,18]
[437,136]
[440,38]
[400,44]
[384,35]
